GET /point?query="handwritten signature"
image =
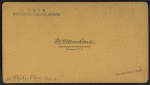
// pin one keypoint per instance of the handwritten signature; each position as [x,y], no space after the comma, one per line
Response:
[127,72]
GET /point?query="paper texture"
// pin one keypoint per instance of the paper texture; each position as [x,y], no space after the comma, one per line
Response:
[75,42]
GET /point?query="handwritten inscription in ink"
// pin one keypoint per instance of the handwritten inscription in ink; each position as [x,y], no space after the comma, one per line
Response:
[127,72]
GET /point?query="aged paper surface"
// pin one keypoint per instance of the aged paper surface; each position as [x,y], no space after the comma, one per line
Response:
[94,42]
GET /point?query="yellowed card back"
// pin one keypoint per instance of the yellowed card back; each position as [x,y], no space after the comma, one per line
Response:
[75,42]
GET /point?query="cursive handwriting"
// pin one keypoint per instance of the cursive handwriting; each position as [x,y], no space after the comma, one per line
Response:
[122,73]
[69,41]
